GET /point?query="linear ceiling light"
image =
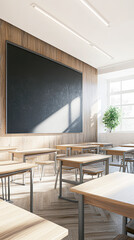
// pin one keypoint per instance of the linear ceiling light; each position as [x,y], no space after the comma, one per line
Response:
[95,12]
[59,22]
[106,54]
[35,6]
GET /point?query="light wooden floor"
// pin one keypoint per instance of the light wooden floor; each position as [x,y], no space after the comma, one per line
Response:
[99,224]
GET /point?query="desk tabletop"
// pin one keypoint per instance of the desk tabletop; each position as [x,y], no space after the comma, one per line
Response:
[71,145]
[8,162]
[113,192]
[15,167]
[34,151]
[2,149]
[84,158]
[19,224]
[82,146]
[119,149]
[131,145]
[99,144]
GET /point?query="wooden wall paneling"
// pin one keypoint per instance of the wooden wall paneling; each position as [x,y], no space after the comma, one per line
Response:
[25,141]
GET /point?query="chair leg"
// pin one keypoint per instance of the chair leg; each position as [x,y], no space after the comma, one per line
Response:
[56,180]
[76,172]
[2,188]
[42,168]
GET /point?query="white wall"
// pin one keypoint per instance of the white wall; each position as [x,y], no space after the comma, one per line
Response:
[104,77]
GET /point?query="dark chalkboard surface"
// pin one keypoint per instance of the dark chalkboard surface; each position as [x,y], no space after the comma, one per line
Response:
[43,96]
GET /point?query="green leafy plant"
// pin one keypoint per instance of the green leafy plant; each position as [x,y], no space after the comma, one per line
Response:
[111,118]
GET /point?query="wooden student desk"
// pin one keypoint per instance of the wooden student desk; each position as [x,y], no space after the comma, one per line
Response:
[5,149]
[114,192]
[13,169]
[34,152]
[119,151]
[77,147]
[100,144]
[78,161]
[19,224]
[131,145]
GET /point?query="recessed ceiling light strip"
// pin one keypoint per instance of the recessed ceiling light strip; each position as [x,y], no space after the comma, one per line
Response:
[95,12]
[100,50]
[35,6]
[59,22]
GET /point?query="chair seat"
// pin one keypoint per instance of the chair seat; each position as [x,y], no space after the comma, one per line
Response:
[44,162]
[122,237]
[60,155]
[92,171]
[128,159]
[130,226]
[68,168]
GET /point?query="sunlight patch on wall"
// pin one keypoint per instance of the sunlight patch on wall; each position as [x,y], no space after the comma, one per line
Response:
[56,123]
[75,109]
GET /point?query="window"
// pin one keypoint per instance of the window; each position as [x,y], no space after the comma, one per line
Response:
[121,94]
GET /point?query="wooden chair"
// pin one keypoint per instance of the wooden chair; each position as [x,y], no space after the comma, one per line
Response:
[93,172]
[130,226]
[42,164]
[127,160]
[122,237]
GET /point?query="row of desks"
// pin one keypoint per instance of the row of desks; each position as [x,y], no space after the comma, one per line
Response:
[100,197]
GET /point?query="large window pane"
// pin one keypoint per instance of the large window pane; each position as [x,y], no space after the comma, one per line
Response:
[115,100]
[128,124]
[127,98]
[128,84]
[128,111]
[115,87]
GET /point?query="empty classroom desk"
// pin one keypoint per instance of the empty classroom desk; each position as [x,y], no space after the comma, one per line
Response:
[79,161]
[76,147]
[19,224]
[14,169]
[114,192]
[99,144]
[34,152]
[120,151]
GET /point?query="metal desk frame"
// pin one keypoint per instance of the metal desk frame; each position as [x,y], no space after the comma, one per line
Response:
[31,183]
[81,176]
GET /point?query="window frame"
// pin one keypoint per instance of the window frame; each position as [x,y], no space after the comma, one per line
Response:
[121,92]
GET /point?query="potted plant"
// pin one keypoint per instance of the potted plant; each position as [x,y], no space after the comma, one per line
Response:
[111,118]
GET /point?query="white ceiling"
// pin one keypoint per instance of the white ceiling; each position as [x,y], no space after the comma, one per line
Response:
[116,40]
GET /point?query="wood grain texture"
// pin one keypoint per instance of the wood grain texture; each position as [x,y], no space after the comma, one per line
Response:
[76,160]
[15,167]
[113,192]
[25,141]
[118,150]
[18,224]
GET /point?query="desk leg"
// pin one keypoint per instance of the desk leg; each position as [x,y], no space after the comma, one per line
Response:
[5,189]
[9,189]
[124,222]
[55,162]
[24,160]
[31,190]
[124,162]
[98,150]
[67,151]
[12,160]
[81,218]
[60,187]
[81,174]
[2,188]
[107,166]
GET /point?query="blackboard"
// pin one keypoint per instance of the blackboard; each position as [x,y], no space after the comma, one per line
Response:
[42,95]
